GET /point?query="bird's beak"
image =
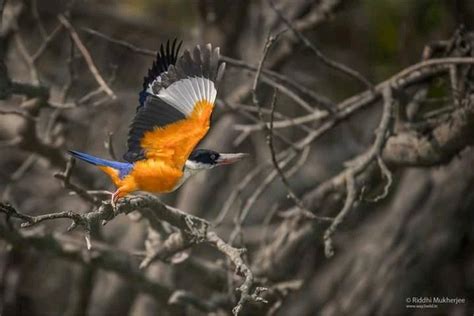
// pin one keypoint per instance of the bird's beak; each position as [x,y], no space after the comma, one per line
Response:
[227,159]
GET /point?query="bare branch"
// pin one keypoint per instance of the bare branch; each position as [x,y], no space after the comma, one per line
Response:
[235,256]
[291,194]
[270,77]
[329,62]
[350,198]
[19,114]
[100,257]
[27,58]
[36,16]
[87,57]
[283,178]
[360,164]
[46,42]
[66,179]
[191,226]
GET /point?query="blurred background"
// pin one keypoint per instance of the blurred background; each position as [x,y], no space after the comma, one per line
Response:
[415,242]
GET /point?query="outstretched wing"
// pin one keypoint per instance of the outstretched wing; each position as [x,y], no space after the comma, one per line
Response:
[165,57]
[175,115]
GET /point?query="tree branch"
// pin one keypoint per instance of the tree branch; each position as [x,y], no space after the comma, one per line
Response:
[193,230]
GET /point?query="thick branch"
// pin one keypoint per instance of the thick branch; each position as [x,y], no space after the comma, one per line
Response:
[330,194]
[193,230]
[99,257]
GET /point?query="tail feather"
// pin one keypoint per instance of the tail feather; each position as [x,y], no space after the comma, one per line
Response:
[123,168]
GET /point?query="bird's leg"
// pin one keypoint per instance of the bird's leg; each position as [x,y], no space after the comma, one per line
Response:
[116,196]
[120,193]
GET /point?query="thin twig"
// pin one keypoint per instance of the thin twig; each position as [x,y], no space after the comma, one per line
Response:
[407,76]
[291,194]
[109,145]
[350,198]
[44,45]
[270,77]
[36,16]
[270,41]
[127,45]
[18,174]
[389,180]
[280,136]
[289,122]
[66,180]
[326,60]
[360,164]
[235,194]
[20,44]
[321,101]
[235,256]
[87,57]
[257,192]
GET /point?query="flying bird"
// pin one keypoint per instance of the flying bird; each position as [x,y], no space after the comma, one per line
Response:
[173,115]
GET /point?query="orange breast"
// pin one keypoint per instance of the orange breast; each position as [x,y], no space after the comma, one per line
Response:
[174,143]
[167,149]
[154,176]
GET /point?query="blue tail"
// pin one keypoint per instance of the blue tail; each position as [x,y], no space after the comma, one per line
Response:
[123,167]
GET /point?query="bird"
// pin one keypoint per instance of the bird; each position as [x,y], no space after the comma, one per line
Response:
[173,115]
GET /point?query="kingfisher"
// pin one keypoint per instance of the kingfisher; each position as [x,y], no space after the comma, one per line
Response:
[173,115]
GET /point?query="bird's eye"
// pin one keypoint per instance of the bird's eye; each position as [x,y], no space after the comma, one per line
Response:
[213,157]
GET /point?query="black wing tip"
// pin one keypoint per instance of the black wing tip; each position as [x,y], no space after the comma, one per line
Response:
[165,56]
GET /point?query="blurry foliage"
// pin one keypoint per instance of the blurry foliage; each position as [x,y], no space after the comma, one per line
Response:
[179,12]
[395,25]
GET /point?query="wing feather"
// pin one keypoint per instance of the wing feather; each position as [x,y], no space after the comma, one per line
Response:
[164,60]
[175,115]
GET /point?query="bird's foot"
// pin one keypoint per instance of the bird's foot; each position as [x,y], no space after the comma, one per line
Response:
[113,201]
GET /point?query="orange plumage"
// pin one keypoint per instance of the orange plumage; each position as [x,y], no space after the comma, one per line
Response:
[176,104]
[173,143]
[167,149]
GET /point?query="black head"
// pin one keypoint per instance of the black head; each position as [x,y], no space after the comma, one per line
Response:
[204,156]
[206,159]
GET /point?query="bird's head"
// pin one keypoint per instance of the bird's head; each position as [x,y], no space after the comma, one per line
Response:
[203,159]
